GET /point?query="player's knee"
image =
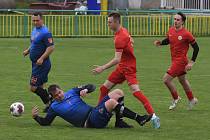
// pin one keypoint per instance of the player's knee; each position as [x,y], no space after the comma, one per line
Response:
[119,92]
[116,94]
[165,80]
[110,104]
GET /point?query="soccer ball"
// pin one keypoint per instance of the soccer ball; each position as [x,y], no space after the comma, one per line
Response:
[17,109]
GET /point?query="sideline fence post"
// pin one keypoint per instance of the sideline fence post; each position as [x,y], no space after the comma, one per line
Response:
[76,25]
[25,26]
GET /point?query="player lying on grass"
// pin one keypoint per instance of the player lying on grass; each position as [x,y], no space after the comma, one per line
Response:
[74,110]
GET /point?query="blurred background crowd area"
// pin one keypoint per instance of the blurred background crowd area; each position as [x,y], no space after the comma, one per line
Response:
[104,4]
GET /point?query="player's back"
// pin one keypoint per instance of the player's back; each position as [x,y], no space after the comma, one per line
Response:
[124,43]
[72,108]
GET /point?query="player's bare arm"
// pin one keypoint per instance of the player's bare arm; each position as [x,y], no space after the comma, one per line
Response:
[47,53]
[113,62]
[159,43]
[26,52]
[189,65]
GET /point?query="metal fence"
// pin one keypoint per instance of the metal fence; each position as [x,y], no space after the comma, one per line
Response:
[96,25]
[187,4]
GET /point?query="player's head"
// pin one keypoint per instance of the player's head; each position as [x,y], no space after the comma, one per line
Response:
[56,92]
[37,19]
[114,21]
[179,19]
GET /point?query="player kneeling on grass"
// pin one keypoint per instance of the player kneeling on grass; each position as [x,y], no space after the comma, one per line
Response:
[73,109]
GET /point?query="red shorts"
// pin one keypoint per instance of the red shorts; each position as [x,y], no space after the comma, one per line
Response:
[119,75]
[176,70]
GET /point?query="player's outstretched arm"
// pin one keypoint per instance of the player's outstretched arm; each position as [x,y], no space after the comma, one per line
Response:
[165,41]
[113,62]
[83,90]
[43,121]
[159,43]
[89,87]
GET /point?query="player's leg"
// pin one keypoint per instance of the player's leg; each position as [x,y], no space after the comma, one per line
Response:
[44,76]
[173,72]
[118,95]
[104,89]
[147,105]
[113,105]
[114,78]
[99,116]
[186,86]
[133,84]
[168,81]
[142,98]
[40,91]
[38,78]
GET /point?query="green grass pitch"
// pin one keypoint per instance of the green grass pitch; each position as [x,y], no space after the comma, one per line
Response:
[72,62]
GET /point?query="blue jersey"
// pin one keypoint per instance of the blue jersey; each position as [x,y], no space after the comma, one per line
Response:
[72,108]
[41,38]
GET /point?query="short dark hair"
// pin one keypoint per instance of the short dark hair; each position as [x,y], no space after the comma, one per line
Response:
[52,89]
[38,14]
[116,16]
[182,15]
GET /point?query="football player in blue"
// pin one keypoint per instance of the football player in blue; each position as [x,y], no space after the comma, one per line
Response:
[40,49]
[74,110]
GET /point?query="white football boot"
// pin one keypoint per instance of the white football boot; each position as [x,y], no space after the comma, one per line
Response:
[192,103]
[174,103]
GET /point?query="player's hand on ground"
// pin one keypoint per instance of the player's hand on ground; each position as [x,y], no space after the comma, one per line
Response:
[25,52]
[157,43]
[188,67]
[83,92]
[97,69]
[39,61]
[35,111]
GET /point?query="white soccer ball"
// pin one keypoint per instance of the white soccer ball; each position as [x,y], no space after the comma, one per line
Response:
[17,109]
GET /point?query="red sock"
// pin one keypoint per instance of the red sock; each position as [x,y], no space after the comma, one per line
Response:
[140,96]
[189,95]
[174,95]
[103,92]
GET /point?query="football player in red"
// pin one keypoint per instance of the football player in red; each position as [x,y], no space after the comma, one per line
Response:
[179,39]
[125,62]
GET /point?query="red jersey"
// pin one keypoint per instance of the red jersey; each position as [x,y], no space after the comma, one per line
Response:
[179,44]
[124,43]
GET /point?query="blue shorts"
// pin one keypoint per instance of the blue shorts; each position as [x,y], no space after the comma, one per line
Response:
[99,116]
[39,74]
